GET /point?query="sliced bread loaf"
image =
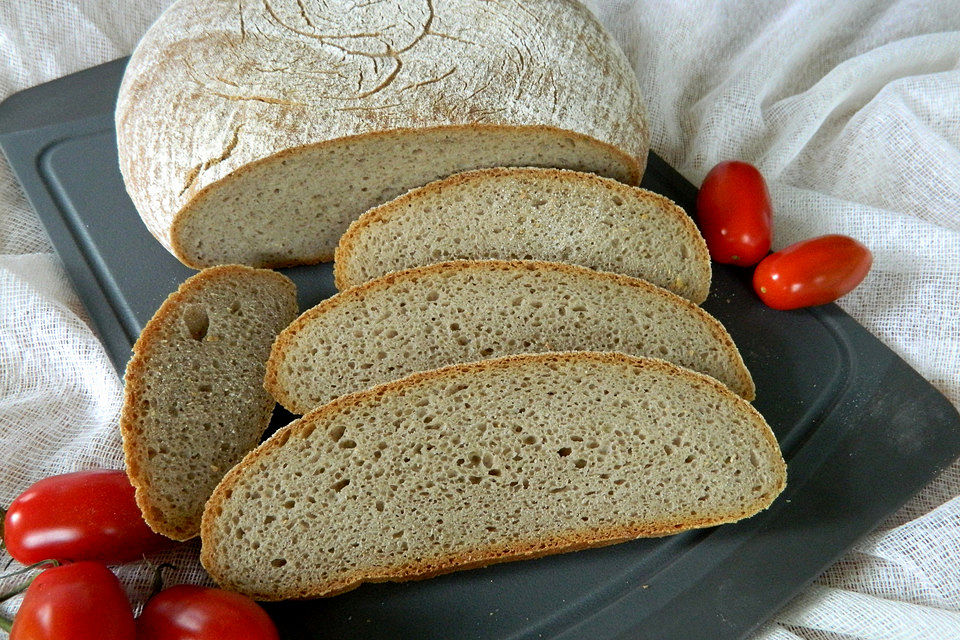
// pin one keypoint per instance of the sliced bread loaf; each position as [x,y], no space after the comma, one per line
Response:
[541,214]
[194,401]
[486,462]
[255,132]
[454,312]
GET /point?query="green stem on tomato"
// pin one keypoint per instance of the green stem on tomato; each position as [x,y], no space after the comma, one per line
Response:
[6,624]
[37,565]
[23,587]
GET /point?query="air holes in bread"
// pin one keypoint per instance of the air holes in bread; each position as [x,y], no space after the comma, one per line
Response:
[196,320]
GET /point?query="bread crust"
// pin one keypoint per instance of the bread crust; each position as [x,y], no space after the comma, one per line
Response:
[383,213]
[214,86]
[143,349]
[745,387]
[573,541]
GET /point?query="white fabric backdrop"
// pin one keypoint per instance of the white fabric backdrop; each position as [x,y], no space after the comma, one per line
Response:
[852,111]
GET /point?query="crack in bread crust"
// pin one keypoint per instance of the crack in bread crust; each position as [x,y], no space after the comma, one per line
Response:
[301,73]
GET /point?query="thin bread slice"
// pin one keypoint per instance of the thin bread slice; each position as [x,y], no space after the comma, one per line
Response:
[453,312]
[541,214]
[487,462]
[194,401]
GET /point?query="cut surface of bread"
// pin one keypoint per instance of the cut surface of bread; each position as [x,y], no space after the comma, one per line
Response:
[292,208]
[486,462]
[194,401]
[529,213]
[454,312]
[255,132]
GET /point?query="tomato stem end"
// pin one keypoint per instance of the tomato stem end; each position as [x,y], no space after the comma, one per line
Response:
[158,576]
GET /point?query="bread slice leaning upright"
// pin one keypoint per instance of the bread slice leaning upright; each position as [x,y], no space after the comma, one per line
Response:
[194,401]
[540,214]
[486,462]
[462,311]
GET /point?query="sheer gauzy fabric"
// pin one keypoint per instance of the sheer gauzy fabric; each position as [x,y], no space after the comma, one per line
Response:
[851,110]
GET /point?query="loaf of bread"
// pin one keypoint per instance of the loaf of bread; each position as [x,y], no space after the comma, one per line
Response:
[255,132]
[486,462]
[527,213]
[194,401]
[454,312]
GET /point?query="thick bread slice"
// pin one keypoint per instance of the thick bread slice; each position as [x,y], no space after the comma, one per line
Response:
[454,312]
[194,401]
[255,132]
[541,214]
[486,462]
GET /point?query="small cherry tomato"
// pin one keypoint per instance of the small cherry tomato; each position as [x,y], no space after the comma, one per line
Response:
[812,272]
[188,612]
[81,601]
[734,213]
[87,515]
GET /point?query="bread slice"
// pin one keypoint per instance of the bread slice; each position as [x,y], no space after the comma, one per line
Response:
[255,132]
[194,401]
[542,214]
[454,312]
[486,462]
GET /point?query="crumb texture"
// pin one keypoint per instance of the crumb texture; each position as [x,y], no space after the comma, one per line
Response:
[530,213]
[464,311]
[295,208]
[254,132]
[194,401]
[486,462]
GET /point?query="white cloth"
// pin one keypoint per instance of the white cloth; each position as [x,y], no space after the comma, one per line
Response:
[852,111]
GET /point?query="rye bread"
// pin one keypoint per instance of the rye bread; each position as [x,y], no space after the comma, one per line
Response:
[194,401]
[541,214]
[255,132]
[448,313]
[487,462]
